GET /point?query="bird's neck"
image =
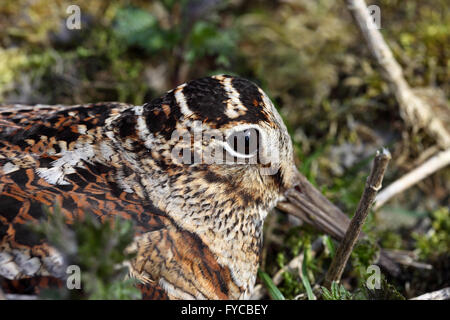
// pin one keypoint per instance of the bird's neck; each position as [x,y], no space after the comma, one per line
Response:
[228,218]
[234,236]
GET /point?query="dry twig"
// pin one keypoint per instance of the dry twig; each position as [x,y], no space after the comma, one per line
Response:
[443,294]
[313,208]
[439,161]
[415,111]
[373,184]
[407,258]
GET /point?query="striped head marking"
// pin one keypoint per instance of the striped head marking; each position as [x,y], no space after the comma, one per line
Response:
[222,126]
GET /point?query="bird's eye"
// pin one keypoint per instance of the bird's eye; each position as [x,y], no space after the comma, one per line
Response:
[245,142]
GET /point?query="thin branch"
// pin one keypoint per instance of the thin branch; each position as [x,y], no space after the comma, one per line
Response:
[443,294]
[407,258]
[312,207]
[20,297]
[439,161]
[373,184]
[413,109]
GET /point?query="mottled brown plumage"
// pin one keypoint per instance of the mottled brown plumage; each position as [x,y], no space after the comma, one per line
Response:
[198,222]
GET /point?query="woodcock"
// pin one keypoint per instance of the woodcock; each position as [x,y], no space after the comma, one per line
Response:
[198,203]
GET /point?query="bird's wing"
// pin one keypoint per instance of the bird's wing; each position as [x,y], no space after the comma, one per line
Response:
[28,138]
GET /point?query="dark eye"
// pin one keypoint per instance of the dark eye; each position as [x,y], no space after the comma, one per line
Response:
[245,142]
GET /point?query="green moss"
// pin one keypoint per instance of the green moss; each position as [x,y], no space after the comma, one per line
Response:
[390,239]
[436,241]
[291,285]
[11,63]
[364,254]
[98,249]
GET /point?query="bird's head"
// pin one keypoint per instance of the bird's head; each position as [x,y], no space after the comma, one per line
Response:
[210,146]
[220,135]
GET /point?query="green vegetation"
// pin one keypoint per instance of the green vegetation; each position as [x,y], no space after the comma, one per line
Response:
[336,292]
[97,249]
[436,241]
[274,292]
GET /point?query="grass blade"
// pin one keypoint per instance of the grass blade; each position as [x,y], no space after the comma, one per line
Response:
[329,244]
[305,278]
[274,292]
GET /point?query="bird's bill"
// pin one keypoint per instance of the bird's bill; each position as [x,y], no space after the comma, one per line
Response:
[312,207]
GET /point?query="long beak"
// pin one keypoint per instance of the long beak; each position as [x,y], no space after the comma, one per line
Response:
[312,207]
